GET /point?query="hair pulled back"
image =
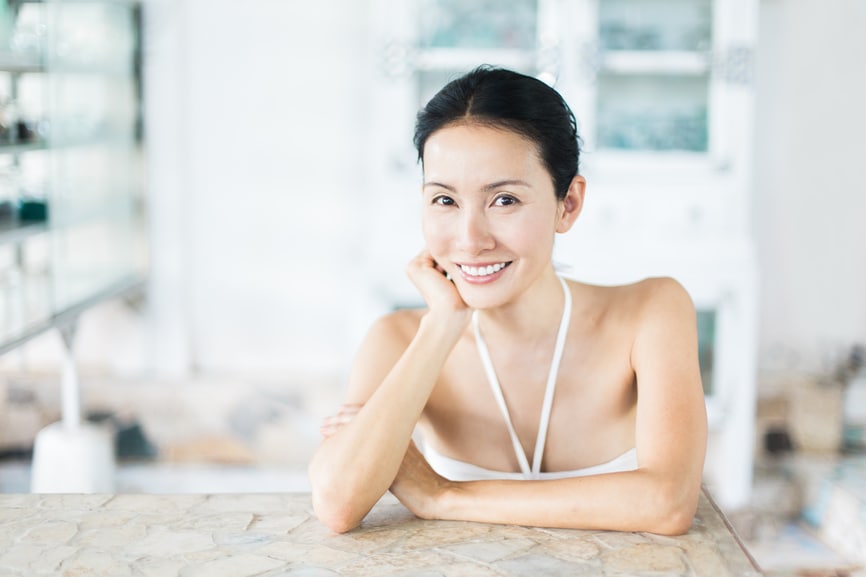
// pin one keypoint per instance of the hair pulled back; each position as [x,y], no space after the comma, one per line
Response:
[505,99]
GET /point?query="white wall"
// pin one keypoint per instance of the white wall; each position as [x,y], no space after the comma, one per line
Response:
[256,123]
[810,196]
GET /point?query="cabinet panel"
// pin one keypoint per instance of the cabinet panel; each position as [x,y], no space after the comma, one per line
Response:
[477,24]
[670,25]
[652,112]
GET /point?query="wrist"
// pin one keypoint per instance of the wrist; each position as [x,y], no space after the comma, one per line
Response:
[447,325]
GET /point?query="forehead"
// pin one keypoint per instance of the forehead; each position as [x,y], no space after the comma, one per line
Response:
[482,151]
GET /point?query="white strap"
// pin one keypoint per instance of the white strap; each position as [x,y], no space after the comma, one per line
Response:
[547,405]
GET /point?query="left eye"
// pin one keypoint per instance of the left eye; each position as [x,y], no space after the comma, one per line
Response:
[505,200]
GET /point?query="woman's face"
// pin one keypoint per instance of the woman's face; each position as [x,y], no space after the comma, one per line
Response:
[489,211]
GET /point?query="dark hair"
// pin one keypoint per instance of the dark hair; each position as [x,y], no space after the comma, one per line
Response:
[505,99]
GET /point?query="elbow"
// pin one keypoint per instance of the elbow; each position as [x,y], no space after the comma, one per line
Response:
[332,503]
[338,519]
[674,510]
[676,522]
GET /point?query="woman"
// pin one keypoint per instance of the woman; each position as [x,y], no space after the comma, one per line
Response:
[621,443]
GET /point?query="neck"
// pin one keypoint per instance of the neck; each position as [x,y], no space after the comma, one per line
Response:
[535,315]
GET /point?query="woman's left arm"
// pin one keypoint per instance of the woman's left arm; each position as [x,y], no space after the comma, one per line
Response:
[661,496]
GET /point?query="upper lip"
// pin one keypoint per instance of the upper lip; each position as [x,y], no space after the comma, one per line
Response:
[481,264]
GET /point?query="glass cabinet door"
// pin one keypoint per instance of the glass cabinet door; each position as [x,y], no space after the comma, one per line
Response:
[455,36]
[92,99]
[652,112]
[477,24]
[654,74]
[655,25]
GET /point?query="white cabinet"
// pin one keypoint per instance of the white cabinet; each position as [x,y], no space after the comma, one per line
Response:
[662,91]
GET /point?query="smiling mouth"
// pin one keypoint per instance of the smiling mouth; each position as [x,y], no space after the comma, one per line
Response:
[482,271]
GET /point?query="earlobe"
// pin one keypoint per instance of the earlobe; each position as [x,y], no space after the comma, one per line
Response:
[572,204]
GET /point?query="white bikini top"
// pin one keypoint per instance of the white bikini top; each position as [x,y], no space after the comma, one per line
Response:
[461,471]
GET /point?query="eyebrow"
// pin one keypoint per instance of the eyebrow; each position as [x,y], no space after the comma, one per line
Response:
[487,187]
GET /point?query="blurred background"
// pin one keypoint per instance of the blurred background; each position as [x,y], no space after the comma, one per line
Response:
[204,204]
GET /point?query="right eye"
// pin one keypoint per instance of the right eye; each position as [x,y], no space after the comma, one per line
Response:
[444,200]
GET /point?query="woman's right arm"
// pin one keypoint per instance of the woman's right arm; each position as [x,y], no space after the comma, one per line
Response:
[391,382]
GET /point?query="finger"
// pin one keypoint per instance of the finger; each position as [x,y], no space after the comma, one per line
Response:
[436,266]
[332,423]
[328,430]
[423,260]
[422,269]
[336,420]
[349,409]
[330,427]
[345,411]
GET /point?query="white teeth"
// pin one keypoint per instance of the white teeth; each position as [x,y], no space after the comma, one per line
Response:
[483,270]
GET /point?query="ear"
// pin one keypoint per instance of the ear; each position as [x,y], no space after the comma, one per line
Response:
[571,205]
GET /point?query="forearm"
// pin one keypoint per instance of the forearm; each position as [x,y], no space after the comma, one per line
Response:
[629,501]
[354,467]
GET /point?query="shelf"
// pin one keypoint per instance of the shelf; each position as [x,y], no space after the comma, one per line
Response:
[16,231]
[23,63]
[60,143]
[65,216]
[645,62]
[26,307]
[126,3]
[103,69]
[650,166]
[466,58]
[20,62]
[21,147]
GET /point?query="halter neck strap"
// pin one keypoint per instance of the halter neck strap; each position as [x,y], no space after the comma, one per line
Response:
[544,422]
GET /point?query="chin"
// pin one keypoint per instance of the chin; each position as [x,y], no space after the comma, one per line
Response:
[482,296]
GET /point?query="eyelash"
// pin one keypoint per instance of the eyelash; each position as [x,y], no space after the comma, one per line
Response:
[511,200]
[443,200]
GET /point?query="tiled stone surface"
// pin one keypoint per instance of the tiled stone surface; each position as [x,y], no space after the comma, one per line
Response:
[275,535]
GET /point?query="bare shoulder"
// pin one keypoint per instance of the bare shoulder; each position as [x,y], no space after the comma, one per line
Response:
[662,294]
[664,316]
[663,308]
[650,296]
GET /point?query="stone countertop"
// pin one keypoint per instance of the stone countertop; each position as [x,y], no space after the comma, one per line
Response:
[271,535]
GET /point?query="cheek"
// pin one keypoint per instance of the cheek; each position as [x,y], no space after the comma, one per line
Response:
[531,233]
[434,233]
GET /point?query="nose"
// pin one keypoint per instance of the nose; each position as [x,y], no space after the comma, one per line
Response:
[474,235]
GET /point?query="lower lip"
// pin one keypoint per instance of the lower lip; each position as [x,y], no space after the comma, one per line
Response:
[488,278]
